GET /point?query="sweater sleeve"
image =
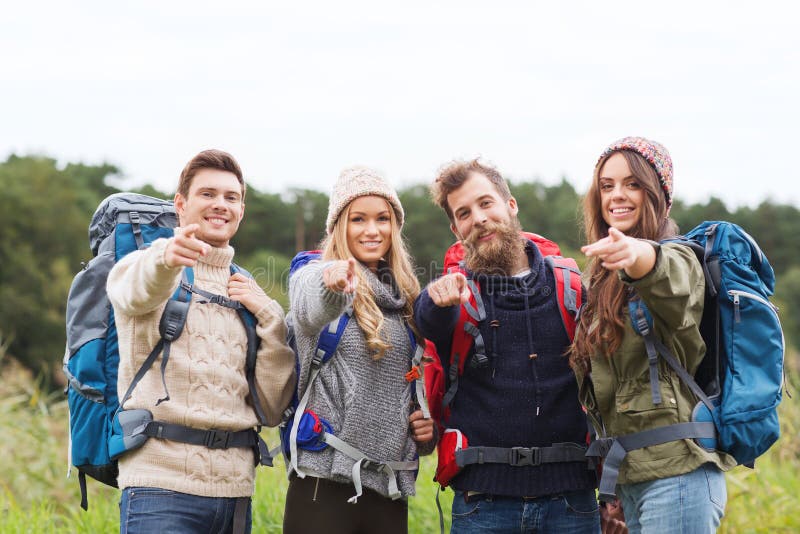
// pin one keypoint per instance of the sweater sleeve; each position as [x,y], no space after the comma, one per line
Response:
[312,304]
[436,323]
[141,281]
[674,290]
[275,370]
[424,449]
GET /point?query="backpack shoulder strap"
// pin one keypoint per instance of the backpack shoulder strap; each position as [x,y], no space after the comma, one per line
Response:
[322,430]
[642,324]
[470,314]
[253,343]
[569,290]
[466,334]
[327,343]
[173,319]
[301,259]
[545,246]
[416,376]
[330,337]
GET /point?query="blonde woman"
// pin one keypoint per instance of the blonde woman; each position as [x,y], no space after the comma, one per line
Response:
[360,396]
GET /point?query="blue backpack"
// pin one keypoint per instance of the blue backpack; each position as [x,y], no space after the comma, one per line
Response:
[99,431]
[312,432]
[738,383]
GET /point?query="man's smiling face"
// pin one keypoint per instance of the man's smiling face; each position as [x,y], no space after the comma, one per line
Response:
[215,203]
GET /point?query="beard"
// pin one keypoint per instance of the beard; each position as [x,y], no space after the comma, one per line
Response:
[497,256]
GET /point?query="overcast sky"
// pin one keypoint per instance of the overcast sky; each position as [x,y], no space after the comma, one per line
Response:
[299,90]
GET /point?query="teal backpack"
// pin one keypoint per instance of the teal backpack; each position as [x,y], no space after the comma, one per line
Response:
[738,383]
[99,431]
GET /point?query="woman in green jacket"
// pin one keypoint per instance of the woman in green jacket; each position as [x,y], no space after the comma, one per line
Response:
[676,486]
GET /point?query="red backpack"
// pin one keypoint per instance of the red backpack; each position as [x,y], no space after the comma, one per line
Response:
[466,335]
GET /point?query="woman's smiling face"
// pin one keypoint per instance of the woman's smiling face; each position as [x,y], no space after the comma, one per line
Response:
[369,229]
[621,195]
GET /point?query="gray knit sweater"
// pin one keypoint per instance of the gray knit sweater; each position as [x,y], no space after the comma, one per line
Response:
[367,401]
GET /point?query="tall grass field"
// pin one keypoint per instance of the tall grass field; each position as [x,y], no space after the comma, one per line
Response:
[36,496]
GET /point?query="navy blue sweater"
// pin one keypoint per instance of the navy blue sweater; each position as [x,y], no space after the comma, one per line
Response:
[518,400]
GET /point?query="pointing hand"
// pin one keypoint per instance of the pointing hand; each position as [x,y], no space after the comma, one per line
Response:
[449,290]
[184,248]
[341,276]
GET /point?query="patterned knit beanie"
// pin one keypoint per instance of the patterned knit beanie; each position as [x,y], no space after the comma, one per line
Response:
[654,153]
[357,182]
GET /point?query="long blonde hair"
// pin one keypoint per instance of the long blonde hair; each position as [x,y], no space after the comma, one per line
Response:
[365,310]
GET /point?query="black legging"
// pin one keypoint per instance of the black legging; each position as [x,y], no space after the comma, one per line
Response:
[320,505]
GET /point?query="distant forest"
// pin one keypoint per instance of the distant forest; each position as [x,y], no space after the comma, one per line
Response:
[45,210]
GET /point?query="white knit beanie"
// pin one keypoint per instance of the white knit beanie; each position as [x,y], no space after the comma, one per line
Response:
[357,182]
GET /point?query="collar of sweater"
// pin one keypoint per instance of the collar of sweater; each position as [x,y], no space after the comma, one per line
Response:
[215,266]
[384,288]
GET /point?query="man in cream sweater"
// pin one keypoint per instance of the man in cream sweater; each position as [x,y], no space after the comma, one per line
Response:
[170,485]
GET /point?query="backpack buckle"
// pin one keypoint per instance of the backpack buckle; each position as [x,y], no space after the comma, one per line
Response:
[366,463]
[599,448]
[413,374]
[217,439]
[521,456]
[224,301]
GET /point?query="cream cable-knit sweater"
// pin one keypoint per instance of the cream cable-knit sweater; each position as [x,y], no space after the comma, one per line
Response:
[205,373]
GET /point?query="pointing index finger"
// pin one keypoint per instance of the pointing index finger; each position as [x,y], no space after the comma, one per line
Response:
[188,230]
[615,234]
[593,249]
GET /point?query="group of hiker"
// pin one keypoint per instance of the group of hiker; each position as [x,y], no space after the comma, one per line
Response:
[527,384]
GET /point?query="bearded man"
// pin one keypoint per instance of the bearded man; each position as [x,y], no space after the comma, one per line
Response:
[525,396]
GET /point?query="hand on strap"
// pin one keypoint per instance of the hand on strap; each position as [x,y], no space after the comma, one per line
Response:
[247,291]
[421,428]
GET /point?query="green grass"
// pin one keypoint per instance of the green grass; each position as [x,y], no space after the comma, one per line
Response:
[36,496]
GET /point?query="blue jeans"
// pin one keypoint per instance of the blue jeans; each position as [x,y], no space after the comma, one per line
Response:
[147,510]
[573,512]
[688,504]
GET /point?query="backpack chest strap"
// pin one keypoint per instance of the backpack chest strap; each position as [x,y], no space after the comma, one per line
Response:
[213,298]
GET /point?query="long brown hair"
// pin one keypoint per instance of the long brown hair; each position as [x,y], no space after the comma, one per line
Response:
[365,310]
[601,326]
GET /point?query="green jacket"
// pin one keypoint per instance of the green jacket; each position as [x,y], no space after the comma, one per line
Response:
[674,293]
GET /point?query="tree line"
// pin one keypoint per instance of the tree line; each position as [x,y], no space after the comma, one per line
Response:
[45,211]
